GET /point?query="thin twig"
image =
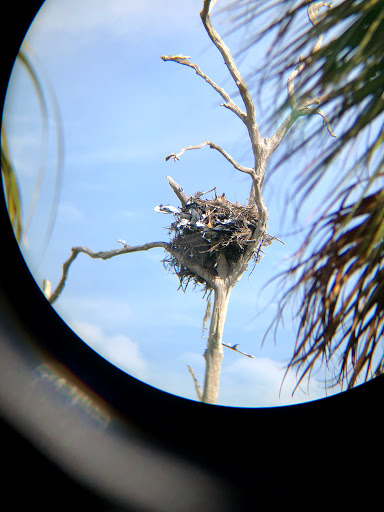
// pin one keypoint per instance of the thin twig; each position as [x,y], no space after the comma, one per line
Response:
[290,84]
[234,347]
[229,103]
[199,194]
[196,382]
[326,122]
[250,121]
[302,109]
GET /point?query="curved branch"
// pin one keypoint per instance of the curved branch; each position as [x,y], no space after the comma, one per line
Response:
[253,129]
[326,121]
[229,103]
[290,83]
[104,255]
[212,145]
[277,137]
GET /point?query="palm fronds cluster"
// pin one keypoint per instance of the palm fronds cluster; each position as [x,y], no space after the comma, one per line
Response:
[338,273]
[341,313]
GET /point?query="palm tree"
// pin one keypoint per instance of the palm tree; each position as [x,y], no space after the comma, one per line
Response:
[338,272]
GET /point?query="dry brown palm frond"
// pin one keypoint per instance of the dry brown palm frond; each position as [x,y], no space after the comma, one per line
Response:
[342,294]
[338,278]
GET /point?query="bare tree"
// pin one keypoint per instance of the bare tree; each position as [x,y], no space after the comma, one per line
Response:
[214,240]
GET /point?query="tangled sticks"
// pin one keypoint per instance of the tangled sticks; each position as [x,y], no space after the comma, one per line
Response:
[207,230]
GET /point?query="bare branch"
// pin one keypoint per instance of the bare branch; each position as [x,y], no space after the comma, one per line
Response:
[277,137]
[302,109]
[313,11]
[104,255]
[317,100]
[236,165]
[259,145]
[253,129]
[234,347]
[199,194]
[229,103]
[280,133]
[298,69]
[178,190]
[326,122]
[197,385]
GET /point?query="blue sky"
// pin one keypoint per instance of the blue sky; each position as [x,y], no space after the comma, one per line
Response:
[123,110]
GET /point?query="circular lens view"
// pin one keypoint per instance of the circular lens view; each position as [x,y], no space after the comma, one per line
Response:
[197,188]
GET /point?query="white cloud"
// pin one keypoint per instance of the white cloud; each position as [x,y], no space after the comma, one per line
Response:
[109,311]
[257,383]
[119,349]
[244,383]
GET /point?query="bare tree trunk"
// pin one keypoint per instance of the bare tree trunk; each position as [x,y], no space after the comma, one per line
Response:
[226,275]
[214,352]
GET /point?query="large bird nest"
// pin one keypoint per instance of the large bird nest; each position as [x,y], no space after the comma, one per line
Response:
[205,229]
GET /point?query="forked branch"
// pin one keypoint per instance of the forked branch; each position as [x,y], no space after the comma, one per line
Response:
[248,117]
